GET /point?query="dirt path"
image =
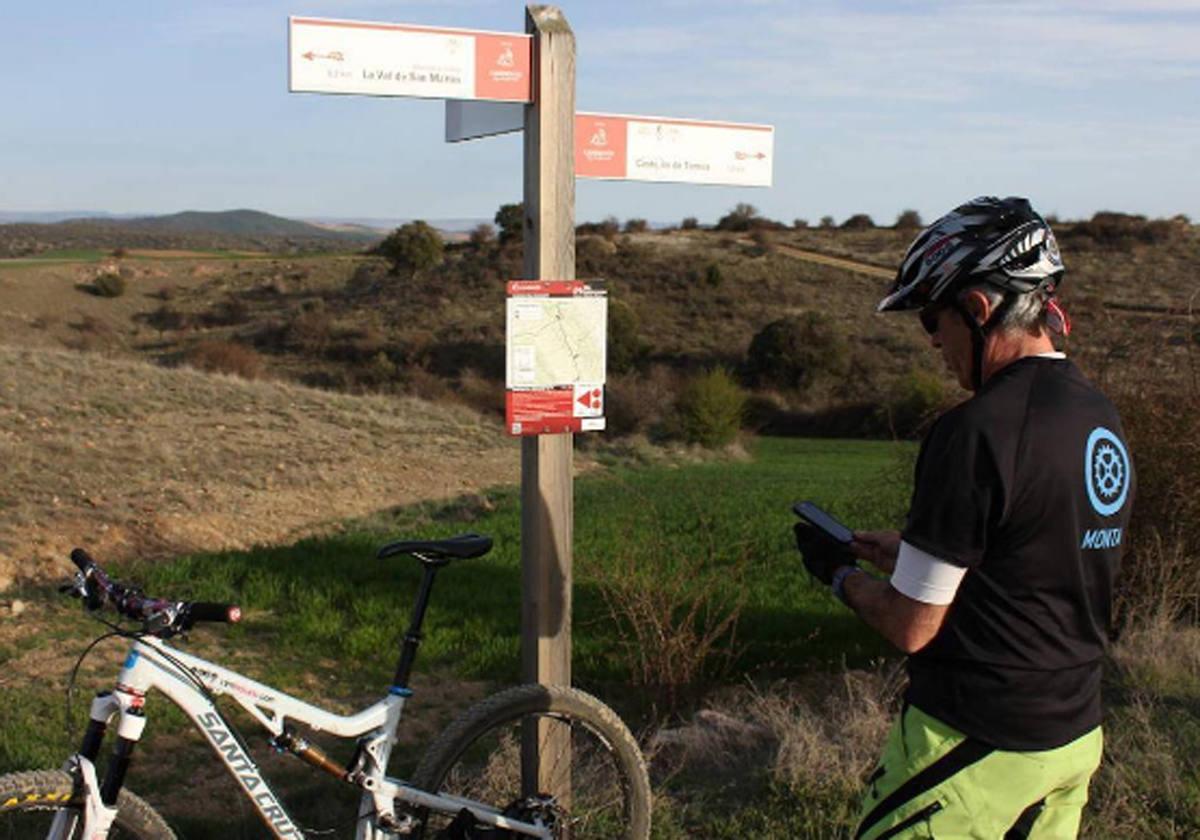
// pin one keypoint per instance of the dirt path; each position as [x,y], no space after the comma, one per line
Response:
[127,457]
[836,262]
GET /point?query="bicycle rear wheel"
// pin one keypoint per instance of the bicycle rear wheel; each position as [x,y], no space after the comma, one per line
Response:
[607,789]
[30,800]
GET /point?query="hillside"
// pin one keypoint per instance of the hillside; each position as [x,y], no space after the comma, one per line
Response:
[131,458]
[190,230]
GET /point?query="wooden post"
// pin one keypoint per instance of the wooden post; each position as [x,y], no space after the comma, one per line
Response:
[547,508]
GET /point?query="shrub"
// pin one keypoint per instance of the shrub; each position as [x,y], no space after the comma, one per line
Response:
[794,351]
[481,235]
[608,228]
[799,224]
[636,226]
[227,313]
[1121,231]
[689,223]
[412,248]
[625,348]
[119,253]
[713,276]
[110,284]
[510,218]
[909,220]
[225,357]
[741,218]
[859,221]
[710,409]
[675,611]
[827,221]
[639,403]
[914,401]
[166,317]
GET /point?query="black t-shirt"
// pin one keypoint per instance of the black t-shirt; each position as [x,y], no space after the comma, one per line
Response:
[1029,485]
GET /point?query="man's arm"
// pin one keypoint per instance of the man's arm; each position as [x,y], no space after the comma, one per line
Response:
[906,623]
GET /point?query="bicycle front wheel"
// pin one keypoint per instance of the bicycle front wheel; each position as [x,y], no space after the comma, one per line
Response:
[592,782]
[29,802]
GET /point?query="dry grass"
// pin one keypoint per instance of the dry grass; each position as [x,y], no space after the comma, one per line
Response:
[130,457]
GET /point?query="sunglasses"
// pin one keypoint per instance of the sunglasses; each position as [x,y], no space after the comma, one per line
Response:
[929,316]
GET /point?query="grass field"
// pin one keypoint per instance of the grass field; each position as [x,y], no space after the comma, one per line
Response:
[325,614]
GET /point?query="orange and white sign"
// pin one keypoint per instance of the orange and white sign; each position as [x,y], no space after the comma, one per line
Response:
[623,147]
[389,59]
[556,341]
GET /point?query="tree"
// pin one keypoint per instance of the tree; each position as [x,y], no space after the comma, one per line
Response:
[412,248]
[827,221]
[741,218]
[795,351]
[690,223]
[482,234]
[909,220]
[510,218]
[636,226]
[859,221]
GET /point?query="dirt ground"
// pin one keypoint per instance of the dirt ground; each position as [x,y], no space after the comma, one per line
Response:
[130,458]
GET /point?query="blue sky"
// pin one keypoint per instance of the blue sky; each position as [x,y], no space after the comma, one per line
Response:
[164,105]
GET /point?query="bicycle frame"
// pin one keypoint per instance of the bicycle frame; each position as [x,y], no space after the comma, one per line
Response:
[152,664]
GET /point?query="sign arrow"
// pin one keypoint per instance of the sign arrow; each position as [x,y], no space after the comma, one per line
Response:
[332,56]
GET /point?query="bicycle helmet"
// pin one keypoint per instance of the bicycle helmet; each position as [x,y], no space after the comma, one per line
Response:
[1002,241]
[999,241]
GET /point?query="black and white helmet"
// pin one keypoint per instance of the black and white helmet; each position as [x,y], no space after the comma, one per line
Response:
[1002,241]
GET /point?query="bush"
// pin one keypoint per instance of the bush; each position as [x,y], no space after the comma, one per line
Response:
[795,351]
[227,313]
[636,226]
[1122,231]
[689,223]
[827,221]
[608,228]
[741,218]
[482,234]
[710,409]
[166,317]
[859,221]
[909,220]
[713,276]
[914,401]
[625,347]
[225,357]
[412,248]
[799,224]
[510,218]
[637,403]
[110,284]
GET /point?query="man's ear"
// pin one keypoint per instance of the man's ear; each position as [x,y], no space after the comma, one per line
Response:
[978,305]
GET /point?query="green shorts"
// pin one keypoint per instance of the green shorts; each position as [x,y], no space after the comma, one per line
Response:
[933,781]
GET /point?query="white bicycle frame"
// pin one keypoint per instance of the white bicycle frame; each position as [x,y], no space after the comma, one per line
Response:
[151,664]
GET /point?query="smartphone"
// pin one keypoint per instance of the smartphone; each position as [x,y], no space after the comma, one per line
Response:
[823,522]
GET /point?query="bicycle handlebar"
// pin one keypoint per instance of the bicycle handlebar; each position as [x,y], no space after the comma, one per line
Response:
[159,616]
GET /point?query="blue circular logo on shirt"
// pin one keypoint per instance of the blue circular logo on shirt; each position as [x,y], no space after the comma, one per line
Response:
[1106,471]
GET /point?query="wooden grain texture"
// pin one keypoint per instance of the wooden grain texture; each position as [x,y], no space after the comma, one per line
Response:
[546,461]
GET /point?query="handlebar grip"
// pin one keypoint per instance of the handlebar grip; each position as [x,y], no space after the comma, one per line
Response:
[82,560]
[210,611]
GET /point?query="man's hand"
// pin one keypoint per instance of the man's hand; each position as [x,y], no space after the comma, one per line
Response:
[822,556]
[879,548]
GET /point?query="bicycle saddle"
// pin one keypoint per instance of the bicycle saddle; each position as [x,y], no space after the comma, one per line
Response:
[462,547]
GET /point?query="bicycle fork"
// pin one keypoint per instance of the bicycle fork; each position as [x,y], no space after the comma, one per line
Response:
[100,798]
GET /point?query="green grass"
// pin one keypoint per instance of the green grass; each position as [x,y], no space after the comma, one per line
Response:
[331,597]
[327,608]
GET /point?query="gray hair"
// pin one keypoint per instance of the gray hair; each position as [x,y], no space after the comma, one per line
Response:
[1026,313]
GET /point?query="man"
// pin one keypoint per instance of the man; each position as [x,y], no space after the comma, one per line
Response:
[1000,583]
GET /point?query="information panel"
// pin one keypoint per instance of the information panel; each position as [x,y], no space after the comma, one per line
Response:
[388,59]
[556,347]
[622,147]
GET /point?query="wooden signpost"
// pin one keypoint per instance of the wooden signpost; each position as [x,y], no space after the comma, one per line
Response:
[491,80]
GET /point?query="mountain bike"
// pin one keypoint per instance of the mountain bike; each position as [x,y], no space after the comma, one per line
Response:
[531,761]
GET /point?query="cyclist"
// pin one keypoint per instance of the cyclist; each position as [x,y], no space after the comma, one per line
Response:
[1000,582]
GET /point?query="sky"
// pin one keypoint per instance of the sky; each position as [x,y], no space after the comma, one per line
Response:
[158,106]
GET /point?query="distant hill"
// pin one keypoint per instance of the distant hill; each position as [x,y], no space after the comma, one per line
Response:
[189,230]
[222,223]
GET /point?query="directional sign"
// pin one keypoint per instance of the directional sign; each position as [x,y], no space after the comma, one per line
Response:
[556,343]
[623,147]
[387,59]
